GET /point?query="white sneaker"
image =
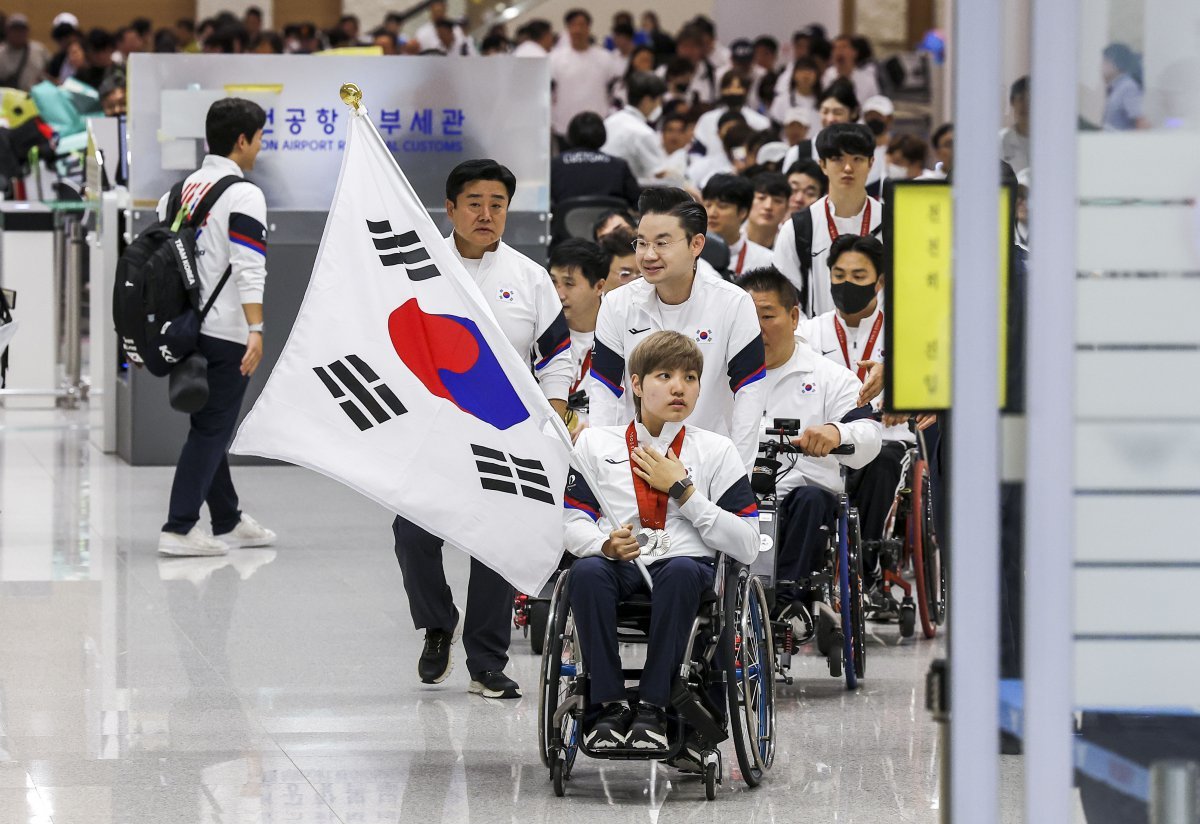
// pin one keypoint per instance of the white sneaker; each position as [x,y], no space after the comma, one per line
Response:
[196,543]
[248,532]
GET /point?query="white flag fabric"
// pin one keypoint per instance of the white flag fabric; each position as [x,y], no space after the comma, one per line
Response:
[7,332]
[397,381]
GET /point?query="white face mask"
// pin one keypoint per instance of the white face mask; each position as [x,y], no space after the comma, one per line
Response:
[895,172]
[654,115]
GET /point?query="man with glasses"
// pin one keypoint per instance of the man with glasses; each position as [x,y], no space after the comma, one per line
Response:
[673,295]
[846,151]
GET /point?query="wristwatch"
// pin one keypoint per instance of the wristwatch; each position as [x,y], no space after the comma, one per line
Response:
[679,488]
[256,327]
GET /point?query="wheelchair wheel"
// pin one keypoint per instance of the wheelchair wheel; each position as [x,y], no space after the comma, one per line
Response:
[848,598]
[858,620]
[927,556]
[710,782]
[555,679]
[539,618]
[750,678]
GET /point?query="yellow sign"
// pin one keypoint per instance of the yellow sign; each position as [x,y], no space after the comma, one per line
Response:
[920,243]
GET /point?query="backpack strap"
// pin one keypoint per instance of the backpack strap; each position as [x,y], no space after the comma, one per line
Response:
[175,200]
[200,213]
[802,225]
[213,297]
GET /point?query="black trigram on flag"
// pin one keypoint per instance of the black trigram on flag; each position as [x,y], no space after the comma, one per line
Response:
[368,394]
[405,249]
[508,473]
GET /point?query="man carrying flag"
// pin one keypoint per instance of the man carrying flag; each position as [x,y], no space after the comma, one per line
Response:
[410,381]
[523,299]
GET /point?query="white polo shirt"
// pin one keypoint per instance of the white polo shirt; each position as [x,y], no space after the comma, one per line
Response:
[722,320]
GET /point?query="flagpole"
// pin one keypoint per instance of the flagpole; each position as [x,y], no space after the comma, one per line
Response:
[351,95]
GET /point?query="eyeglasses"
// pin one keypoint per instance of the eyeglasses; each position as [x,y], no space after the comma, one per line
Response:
[660,246]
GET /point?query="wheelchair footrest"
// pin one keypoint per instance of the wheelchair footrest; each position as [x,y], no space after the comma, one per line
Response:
[690,708]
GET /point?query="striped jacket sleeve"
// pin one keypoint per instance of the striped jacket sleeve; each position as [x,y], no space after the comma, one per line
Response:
[606,381]
[248,241]
[747,368]
[552,348]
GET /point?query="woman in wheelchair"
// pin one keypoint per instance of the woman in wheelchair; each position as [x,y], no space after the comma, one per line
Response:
[681,495]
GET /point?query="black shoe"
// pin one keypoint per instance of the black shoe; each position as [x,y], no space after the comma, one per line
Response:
[880,606]
[611,728]
[648,730]
[434,665]
[494,684]
[689,759]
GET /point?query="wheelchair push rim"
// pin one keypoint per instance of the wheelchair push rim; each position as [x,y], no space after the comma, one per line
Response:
[558,668]
[751,678]
[927,557]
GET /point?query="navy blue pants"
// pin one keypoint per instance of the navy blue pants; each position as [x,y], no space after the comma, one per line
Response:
[202,473]
[594,588]
[802,514]
[487,624]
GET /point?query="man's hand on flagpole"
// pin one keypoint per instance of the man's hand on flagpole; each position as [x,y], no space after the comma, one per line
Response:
[621,545]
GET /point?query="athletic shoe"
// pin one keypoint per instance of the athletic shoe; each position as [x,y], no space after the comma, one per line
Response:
[494,684]
[434,665]
[689,759]
[194,544]
[247,533]
[880,606]
[611,728]
[648,730]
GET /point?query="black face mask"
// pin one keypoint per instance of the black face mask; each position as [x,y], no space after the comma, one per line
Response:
[877,127]
[852,298]
[681,88]
[733,102]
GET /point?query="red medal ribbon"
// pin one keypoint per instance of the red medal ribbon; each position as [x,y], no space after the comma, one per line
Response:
[871,338]
[866,224]
[652,504]
[584,368]
[741,258]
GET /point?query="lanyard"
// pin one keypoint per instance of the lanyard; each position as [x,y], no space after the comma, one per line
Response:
[652,504]
[866,224]
[741,258]
[584,368]
[871,338]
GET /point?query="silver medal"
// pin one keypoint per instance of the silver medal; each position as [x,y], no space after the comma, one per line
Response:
[654,542]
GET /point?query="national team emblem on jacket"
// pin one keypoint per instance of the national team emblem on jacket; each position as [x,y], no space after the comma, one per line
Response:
[506,295]
[807,388]
[704,336]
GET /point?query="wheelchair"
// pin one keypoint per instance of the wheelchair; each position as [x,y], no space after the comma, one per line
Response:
[724,687]
[910,544]
[532,612]
[829,604]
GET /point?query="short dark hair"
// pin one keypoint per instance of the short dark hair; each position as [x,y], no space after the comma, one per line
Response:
[253,11]
[573,13]
[608,215]
[586,131]
[537,29]
[1019,87]
[730,117]
[141,25]
[866,245]
[845,139]
[767,42]
[581,254]
[98,40]
[910,147]
[942,131]
[841,90]
[673,117]
[493,42]
[663,350]
[810,168]
[731,75]
[735,190]
[668,200]
[770,279]
[480,169]
[771,183]
[616,244]
[622,30]
[704,25]
[736,135]
[821,49]
[679,65]
[231,118]
[642,85]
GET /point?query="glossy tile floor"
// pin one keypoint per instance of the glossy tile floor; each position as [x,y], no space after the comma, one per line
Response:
[279,685]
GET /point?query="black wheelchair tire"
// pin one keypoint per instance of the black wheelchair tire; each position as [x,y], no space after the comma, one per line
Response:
[741,603]
[710,782]
[548,687]
[558,778]
[857,615]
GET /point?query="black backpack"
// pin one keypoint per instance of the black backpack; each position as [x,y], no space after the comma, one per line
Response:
[803,227]
[156,296]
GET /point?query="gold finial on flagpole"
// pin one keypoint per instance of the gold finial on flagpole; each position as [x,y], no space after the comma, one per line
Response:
[351,95]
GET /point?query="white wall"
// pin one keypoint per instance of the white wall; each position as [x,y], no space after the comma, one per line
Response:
[672,14]
[751,18]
